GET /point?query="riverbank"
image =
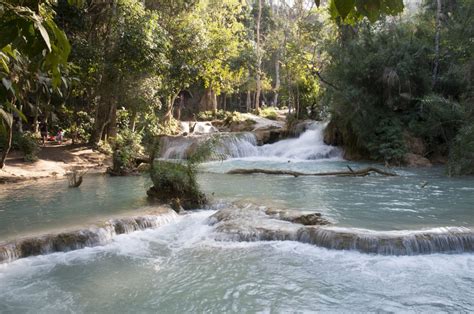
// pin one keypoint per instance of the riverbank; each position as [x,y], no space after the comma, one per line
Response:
[54,161]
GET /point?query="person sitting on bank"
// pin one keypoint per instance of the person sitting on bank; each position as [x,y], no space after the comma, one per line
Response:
[59,136]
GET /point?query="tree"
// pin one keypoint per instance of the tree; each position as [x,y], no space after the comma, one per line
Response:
[351,11]
[31,45]
[224,43]
[258,53]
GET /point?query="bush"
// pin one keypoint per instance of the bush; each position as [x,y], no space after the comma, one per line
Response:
[268,112]
[461,157]
[387,143]
[176,183]
[126,148]
[28,144]
[25,142]
[231,116]
[81,128]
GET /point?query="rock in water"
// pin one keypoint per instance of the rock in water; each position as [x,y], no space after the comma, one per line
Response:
[414,160]
[306,218]
[258,223]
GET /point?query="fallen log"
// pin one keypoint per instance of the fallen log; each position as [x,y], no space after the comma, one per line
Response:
[352,173]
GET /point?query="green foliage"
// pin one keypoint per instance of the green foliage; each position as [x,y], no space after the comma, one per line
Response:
[81,128]
[438,121]
[461,158]
[268,112]
[26,142]
[126,148]
[387,142]
[352,11]
[176,183]
[227,116]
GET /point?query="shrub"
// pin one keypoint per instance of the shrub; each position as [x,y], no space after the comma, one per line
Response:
[268,112]
[228,116]
[176,183]
[126,148]
[28,144]
[25,142]
[387,143]
[81,128]
[461,157]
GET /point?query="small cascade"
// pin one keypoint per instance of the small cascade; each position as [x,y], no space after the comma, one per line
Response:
[439,240]
[250,223]
[78,239]
[238,145]
[231,145]
[308,146]
[191,127]
[179,147]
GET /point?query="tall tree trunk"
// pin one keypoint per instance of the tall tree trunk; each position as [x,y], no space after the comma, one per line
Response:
[277,80]
[248,102]
[6,150]
[170,108]
[437,43]
[297,104]
[214,101]
[20,121]
[259,57]
[104,116]
[112,119]
[207,102]
[224,101]
[133,121]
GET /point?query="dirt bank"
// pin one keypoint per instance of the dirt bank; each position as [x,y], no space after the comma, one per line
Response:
[54,161]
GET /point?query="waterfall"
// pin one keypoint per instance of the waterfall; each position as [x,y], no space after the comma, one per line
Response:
[437,240]
[78,239]
[198,127]
[253,223]
[308,146]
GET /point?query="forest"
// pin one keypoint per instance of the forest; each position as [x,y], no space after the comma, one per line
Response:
[107,73]
[236,156]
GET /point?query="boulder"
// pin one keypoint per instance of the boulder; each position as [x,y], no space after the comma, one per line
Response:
[299,128]
[414,160]
[414,145]
[269,136]
[306,218]
[143,167]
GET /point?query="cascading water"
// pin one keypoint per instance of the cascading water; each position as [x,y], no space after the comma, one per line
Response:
[198,127]
[78,239]
[438,240]
[250,223]
[308,146]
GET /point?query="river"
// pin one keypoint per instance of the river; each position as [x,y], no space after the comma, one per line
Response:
[186,265]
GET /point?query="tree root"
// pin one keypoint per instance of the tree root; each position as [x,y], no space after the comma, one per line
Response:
[352,173]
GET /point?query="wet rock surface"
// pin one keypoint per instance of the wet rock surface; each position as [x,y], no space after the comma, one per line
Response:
[257,223]
[414,160]
[95,235]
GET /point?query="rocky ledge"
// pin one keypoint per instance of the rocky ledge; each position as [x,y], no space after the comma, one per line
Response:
[99,234]
[258,223]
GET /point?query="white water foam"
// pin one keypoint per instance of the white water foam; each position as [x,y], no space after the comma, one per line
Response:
[308,146]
